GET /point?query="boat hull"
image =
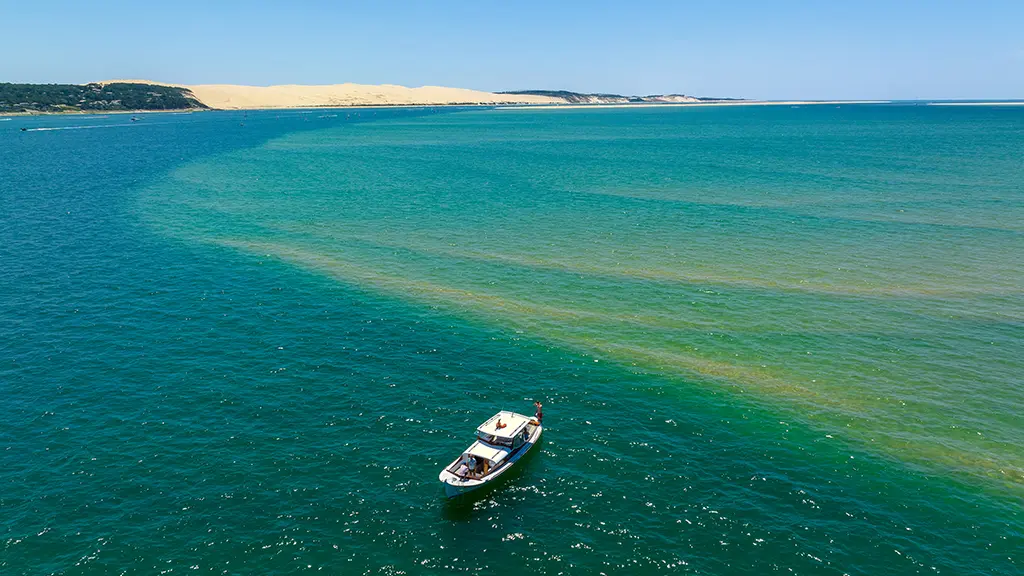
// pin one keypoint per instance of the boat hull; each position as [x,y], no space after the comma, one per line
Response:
[453,490]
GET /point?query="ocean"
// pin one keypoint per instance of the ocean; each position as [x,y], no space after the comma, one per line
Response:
[768,339]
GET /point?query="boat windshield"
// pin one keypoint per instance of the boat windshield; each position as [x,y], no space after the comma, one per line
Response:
[494,440]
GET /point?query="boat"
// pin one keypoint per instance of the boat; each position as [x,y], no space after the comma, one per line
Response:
[501,441]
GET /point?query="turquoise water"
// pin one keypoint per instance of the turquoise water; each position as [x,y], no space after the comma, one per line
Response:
[768,339]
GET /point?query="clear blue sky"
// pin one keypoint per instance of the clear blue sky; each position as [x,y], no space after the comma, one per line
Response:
[741,48]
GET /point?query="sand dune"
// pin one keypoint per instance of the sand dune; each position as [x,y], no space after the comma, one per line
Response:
[236,97]
[232,97]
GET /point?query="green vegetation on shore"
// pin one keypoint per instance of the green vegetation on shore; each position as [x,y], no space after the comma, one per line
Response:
[94,97]
[571,97]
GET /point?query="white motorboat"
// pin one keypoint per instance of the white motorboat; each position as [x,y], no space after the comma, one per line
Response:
[501,441]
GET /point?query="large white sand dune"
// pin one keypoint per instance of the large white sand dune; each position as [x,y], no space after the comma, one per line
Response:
[232,97]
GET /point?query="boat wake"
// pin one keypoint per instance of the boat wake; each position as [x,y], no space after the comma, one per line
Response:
[53,128]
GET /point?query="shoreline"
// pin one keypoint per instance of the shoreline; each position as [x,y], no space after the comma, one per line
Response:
[499,106]
[278,108]
[505,106]
[993,103]
[104,112]
[693,104]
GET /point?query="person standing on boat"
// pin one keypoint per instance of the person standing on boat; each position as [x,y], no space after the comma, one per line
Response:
[538,414]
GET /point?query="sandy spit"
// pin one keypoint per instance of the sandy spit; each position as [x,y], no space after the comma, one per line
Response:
[1008,103]
[694,104]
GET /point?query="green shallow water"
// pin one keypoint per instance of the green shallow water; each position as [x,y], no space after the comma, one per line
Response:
[768,340]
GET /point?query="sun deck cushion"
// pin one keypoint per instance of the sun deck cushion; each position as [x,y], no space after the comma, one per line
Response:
[514,425]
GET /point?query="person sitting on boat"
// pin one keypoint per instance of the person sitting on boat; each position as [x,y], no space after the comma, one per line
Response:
[463,469]
[538,414]
[500,425]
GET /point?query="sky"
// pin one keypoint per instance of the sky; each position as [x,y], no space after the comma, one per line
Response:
[897,49]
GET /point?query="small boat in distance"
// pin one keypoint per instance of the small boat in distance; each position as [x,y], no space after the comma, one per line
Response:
[501,441]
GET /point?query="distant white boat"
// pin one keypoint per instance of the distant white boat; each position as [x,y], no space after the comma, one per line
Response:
[501,442]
